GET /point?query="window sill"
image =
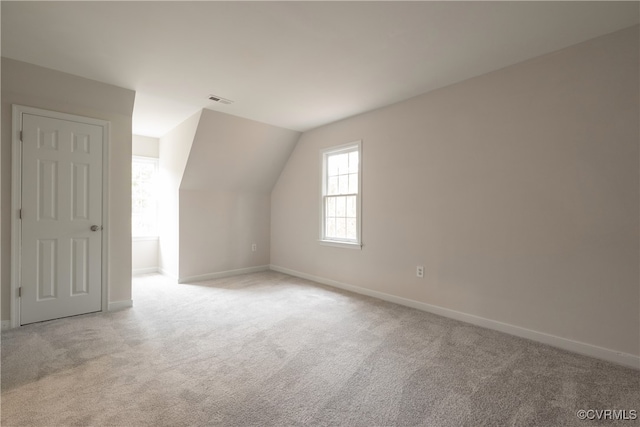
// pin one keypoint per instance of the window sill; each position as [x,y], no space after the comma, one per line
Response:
[143,238]
[338,244]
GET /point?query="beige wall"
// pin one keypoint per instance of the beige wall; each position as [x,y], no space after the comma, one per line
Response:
[225,194]
[517,190]
[144,252]
[145,146]
[218,228]
[33,86]
[174,152]
[144,255]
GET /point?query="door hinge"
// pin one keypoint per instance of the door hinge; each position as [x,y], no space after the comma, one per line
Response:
[19,291]
[20,136]
[20,213]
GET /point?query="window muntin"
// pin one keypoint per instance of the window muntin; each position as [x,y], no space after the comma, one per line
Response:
[341,194]
[144,197]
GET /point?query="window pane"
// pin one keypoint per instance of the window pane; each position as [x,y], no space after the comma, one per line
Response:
[332,187]
[137,221]
[353,162]
[341,206]
[343,184]
[331,207]
[331,227]
[332,165]
[144,210]
[353,183]
[351,229]
[351,207]
[343,163]
[341,228]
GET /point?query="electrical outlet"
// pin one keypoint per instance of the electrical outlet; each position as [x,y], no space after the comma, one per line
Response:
[419,271]
[254,247]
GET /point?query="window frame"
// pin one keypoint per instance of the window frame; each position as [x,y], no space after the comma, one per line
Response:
[156,162]
[324,155]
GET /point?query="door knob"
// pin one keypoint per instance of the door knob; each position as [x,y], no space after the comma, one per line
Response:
[96,227]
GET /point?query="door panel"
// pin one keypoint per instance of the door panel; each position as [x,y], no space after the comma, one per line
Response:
[61,268]
[79,270]
[80,191]
[47,190]
[46,269]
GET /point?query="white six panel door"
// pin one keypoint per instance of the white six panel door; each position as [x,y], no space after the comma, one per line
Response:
[61,200]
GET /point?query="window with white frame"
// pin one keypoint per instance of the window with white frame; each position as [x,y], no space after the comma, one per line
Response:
[341,191]
[144,197]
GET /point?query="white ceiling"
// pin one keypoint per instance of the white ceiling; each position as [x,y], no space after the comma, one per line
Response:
[297,65]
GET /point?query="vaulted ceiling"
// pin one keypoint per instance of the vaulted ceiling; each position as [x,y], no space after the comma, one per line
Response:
[236,155]
[295,65]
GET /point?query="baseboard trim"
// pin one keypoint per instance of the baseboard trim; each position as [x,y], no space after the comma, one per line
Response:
[221,274]
[6,324]
[602,353]
[139,271]
[166,273]
[120,305]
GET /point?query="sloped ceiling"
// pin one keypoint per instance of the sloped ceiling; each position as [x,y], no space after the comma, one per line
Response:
[296,65]
[238,155]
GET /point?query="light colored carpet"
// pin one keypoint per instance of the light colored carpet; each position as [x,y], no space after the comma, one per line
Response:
[268,349]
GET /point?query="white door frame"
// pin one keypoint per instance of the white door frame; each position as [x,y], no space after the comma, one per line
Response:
[16,200]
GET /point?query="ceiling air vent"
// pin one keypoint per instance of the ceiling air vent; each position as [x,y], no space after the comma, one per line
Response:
[219,99]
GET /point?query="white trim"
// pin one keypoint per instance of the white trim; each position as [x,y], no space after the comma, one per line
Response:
[602,353]
[6,324]
[149,159]
[16,203]
[16,199]
[338,244]
[148,270]
[222,274]
[166,273]
[144,238]
[106,179]
[120,305]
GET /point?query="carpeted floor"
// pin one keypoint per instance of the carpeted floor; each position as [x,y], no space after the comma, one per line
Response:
[268,349]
